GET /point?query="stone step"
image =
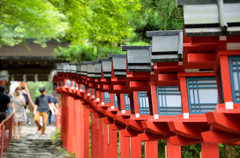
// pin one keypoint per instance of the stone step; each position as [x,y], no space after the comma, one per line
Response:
[33,145]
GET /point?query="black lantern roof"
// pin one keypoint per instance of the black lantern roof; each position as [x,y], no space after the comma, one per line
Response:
[138,58]
[97,69]
[211,17]
[73,68]
[78,68]
[106,67]
[119,64]
[66,67]
[59,67]
[91,69]
[84,67]
[167,46]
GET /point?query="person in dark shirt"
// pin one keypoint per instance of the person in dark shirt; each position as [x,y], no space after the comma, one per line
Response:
[4,103]
[41,109]
[10,110]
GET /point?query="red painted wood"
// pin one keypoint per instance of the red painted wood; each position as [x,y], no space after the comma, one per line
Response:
[135,147]
[79,152]
[227,92]
[210,150]
[112,143]
[86,114]
[124,146]
[218,136]
[183,88]
[160,128]
[70,125]
[105,141]
[154,99]
[201,57]
[206,39]
[173,151]
[135,100]
[151,149]
[94,134]
[122,102]
[183,141]
[227,123]
[100,138]
[64,121]
[184,130]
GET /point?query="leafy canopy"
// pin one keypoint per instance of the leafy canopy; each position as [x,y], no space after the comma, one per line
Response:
[94,27]
[24,19]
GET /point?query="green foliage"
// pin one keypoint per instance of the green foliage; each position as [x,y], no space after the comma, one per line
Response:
[156,15]
[100,22]
[161,148]
[105,26]
[24,19]
[192,151]
[76,53]
[34,88]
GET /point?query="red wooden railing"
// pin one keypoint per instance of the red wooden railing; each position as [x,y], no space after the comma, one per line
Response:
[6,134]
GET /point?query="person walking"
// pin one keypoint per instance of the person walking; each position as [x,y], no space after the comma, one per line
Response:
[10,96]
[4,103]
[41,109]
[18,103]
[52,109]
[27,103]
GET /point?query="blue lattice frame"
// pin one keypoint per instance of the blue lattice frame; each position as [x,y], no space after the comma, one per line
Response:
[143,110]
[236,58]
[95,93]
[115,100]
[127,102]
[68,82]
[166,111]
[221,87]
[106,97]
[189,97]
[83,87]
[90,90]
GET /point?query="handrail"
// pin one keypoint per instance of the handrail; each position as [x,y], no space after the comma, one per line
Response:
[7,118]
[5,133]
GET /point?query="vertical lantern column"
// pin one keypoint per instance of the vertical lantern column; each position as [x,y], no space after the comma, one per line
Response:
[70,122]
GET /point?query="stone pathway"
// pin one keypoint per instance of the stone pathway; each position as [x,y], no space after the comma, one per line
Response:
[33,145]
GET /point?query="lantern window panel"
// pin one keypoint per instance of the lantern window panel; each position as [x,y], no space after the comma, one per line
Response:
[115,100]
[169,100]
[107,97]
[143,103]
[95,93]
[234,66]
[127,102]
[83,87]
[202,94]
[68,82]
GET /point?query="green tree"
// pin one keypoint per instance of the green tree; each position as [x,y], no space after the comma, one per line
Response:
[100,22]
[156,15]
[24,19]
[34,88]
